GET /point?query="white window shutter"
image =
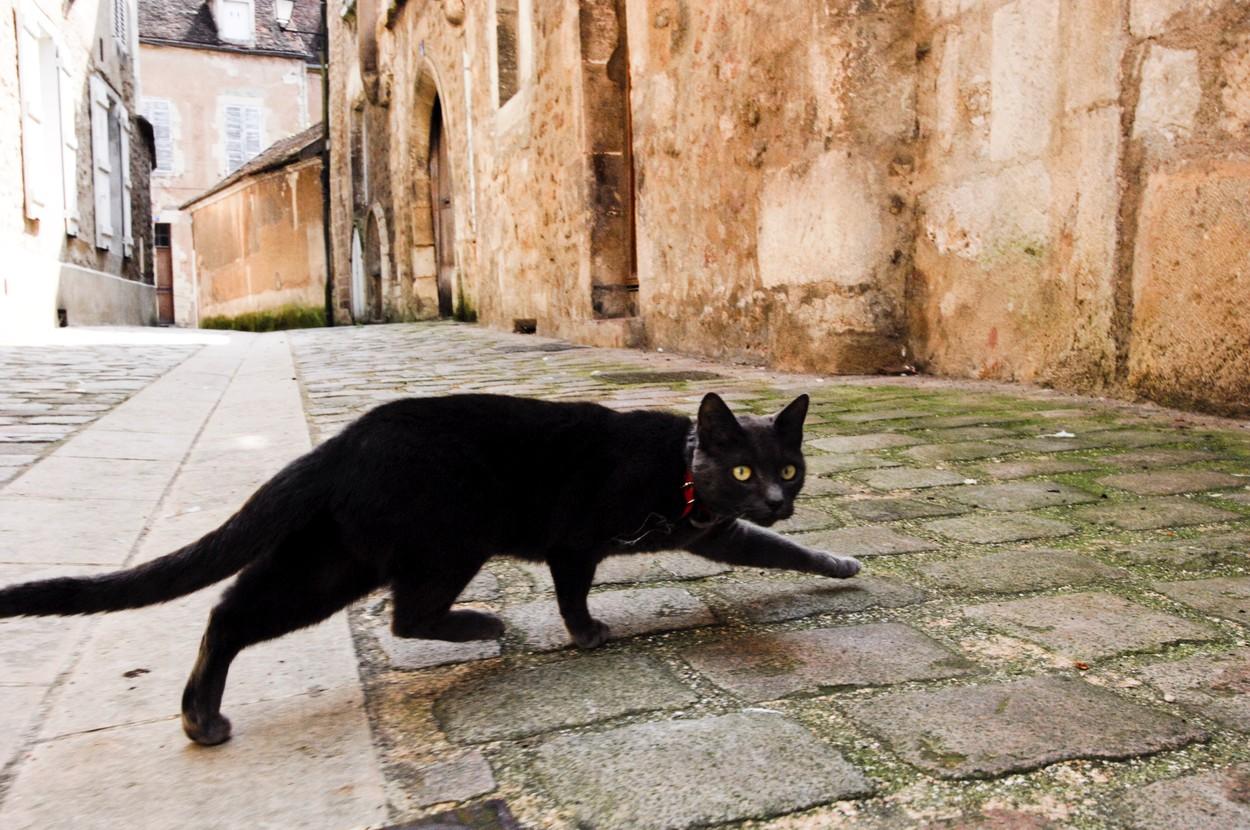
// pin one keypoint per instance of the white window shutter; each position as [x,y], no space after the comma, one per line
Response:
[157,111]
[69,144]
[251,132]
[100,165]
[128,239]
[28,60]
[234,138]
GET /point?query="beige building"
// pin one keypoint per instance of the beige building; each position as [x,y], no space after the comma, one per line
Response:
[222,80]
[258,237]
[1054,191]
[74,161]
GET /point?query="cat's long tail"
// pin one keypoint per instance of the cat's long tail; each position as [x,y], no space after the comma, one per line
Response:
[281,506]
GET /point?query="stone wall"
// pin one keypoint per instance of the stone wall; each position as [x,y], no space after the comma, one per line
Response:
[1040,190]
[259,244]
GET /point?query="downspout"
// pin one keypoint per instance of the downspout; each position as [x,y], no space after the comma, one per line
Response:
[324,54]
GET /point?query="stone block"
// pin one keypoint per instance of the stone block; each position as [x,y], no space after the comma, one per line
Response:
[957,451]
[1004,470]
[1189,334]
[1015,571]
[1227,597]
[628,613]
[1216,686]
[1148,514]
[818,465]
[864,540]
[1147,459]
[1088,626]
[1024,78]
[1148,18]
[1207,799]
[909,478]
[774,665]
[1000,728]
[893,510]
[806,517]
[1093,44]
[1019,495]
[687,773]
[774,600]
[1172,482]
[405,653]
[1193,553]
[992,528]
[1171,92]
[860,443]
[463,777]
[514,703]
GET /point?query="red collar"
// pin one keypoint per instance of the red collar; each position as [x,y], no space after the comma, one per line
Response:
[687,495]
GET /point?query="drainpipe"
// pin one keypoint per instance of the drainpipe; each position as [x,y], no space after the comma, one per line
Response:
[324,54]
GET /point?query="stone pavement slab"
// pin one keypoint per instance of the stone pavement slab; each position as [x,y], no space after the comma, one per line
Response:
[991,528]
[632,568]
[860,443]
[864,540]
[1217,685]
[571,692]
[774,665]
[909,478]
[627,613]
[776,600]
[899,509]
[1019,495]
[1089,625]
[1149,514]
[687,773]
[997,728]
[1216,799]
[1148,459]
[1227,597]
[1015,571]
[1200,552]
[1043,467]
[1172,482]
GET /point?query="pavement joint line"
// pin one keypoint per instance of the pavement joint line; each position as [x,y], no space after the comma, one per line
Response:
[30,737]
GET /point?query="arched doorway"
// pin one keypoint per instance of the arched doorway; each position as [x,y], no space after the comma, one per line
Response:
[373,269]
[442,211]
[358,277]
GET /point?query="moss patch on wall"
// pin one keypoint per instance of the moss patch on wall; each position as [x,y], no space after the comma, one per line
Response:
[278,319]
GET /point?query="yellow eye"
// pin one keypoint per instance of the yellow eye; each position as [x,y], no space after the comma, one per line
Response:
[788,472]
[742,473]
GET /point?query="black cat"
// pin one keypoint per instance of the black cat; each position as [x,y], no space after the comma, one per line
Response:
[419,493]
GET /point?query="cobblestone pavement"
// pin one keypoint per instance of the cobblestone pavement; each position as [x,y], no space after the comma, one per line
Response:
[1050,629]
[52,391]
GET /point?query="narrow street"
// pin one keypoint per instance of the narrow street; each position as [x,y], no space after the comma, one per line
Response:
[1050,629]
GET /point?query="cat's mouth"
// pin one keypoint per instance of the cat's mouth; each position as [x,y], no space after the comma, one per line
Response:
[768,518]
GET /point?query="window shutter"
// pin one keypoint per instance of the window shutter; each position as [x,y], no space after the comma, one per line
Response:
[251,142]
[128,239]
[234,138]
[31,92]
[100,165]
[157,111]
[69,144]
[119,24]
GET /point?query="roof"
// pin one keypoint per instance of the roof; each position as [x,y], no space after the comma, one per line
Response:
[302,145]
[190,23]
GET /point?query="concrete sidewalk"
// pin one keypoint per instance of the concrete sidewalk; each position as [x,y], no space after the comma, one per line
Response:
[90,728]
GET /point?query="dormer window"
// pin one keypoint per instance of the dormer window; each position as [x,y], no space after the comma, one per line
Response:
[235,21]
[282,10]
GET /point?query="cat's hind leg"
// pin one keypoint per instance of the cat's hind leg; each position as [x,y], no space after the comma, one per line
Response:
[271,597]
[422,605]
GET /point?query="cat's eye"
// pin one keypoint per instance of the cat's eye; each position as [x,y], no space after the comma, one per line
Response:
[742,472]
[788,472]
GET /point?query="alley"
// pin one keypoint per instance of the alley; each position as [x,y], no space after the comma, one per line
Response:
[1050,629]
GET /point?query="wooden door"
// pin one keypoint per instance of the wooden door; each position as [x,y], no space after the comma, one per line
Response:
[164,276]
[442,211]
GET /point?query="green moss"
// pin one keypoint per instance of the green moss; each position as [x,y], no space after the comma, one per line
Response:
[278,319]
[464,310]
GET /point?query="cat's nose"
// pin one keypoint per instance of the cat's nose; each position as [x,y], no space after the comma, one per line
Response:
[774,499]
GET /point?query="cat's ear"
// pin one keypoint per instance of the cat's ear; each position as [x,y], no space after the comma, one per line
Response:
[717,425]
[789,421]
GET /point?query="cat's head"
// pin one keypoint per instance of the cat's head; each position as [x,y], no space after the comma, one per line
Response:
[749,466]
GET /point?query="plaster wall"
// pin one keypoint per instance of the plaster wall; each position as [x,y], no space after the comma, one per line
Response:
[259,244]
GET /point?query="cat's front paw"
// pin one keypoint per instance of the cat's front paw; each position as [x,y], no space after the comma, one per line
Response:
[591,636]
[840,567]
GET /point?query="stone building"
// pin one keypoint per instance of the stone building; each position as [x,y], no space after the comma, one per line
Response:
[1054,191]
[222,80]
[74,161]
[258,236]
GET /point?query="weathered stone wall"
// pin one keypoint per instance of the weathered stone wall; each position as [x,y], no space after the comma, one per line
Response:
[259,244]
[1058,142]
[1038,190]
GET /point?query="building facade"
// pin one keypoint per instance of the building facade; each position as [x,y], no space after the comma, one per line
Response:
[259,239]
[222,80]
[73,156]
[1048,191]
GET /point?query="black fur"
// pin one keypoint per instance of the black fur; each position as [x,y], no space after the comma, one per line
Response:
[419,493]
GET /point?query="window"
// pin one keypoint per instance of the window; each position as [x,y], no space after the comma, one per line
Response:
[157,111]
[110,162]
[234,20]
[506,48]
[242,128]
[160,235]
